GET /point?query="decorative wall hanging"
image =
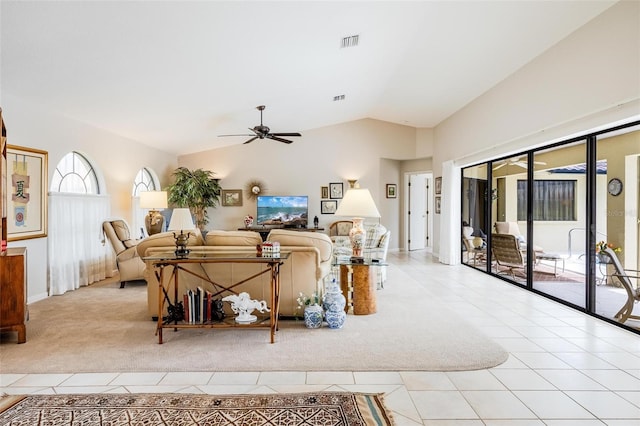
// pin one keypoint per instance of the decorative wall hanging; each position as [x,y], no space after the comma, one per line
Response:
[27,193]
[232,197]
[254,188]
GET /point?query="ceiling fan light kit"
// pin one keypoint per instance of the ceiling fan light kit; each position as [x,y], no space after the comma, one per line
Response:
[263,132]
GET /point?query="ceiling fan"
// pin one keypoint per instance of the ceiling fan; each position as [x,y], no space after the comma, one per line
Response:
[516,161]
[262,132]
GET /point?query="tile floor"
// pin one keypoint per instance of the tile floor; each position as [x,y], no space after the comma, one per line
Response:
[565,368]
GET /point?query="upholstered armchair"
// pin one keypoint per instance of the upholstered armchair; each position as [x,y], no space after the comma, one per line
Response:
[512,228]
[130,266]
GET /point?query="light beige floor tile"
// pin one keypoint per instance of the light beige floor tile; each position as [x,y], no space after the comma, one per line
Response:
[41,380]
[8,379]
[584,361]
[632,397]
[282,378]
[552,405]
[497,405]
[426,380]
[614,379]
[512,422]
[573,422]
[570,380]
[442,405]
[377,377]
[154,389]
[621,360]
[512,362]
[522,379]
[82,389]
[605,405]
[400,403]
[143,379]
[30,390]
[330,377]
[474,380]
[299,388]
[185,378]
[233,378]
[521,344]
[556,344]
[227,389]
[453,423]
[540,360]
[89,379]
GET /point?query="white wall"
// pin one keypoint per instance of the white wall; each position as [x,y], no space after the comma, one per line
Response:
[587,80]
[117,158]
[367,150]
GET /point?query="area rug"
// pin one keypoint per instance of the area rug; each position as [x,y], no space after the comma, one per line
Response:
[108,329]
[324,408]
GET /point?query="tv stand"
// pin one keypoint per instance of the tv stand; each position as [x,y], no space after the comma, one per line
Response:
[264,230]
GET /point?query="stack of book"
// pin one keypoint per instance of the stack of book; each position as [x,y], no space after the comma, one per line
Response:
[201,307]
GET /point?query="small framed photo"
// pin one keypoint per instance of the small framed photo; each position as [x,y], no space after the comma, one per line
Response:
[438,201]
[439,185]
[335,190]
[392,190]
[232,197]
[324,192]
[328,206]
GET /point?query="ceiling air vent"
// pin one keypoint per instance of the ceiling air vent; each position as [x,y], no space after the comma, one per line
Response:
[350,41]
[338,98]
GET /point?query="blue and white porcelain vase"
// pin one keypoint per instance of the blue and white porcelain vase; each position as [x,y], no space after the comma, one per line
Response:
[334,303]
[313,316]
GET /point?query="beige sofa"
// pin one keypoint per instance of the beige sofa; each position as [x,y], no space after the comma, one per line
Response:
[303,271]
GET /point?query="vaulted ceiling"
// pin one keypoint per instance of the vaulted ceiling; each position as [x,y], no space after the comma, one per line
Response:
[176,74]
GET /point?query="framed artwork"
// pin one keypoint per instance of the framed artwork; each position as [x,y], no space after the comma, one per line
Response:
[439,185]
[324,192]
[328,206]
[232,197]
[26,193]
[392,190]
[438,201]
[335,190]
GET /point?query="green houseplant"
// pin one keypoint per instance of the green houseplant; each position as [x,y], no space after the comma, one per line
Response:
[196,189]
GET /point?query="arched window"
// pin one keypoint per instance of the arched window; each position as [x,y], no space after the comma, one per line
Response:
[144,181]
[77,256]
[74,174]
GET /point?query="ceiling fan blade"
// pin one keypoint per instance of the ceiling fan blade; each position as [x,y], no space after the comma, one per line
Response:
[275,138]
[286,134]
[221,136]
[251,140]
[499,166]
[542,163]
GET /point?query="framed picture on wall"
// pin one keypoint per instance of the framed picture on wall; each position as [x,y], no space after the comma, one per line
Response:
[324,192]
[232,197]
[328,206]
[392,190]
[438,201]
[439,185]
[26,193]
[335,190]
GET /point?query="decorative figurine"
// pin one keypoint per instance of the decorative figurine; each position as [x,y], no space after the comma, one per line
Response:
[243,305]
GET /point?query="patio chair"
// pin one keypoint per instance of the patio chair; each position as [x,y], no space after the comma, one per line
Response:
[624,276]
[506,252]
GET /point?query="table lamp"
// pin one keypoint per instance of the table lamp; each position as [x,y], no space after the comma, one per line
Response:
[153,200]
[181,220]
[358,203]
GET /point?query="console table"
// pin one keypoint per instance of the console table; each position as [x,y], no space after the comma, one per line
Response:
[264,230]
[175,264]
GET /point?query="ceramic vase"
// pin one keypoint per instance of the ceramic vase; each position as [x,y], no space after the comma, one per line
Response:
[313,316]
[357,235]
[334,303]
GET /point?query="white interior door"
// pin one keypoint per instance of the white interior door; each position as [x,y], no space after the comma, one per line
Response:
[418,210]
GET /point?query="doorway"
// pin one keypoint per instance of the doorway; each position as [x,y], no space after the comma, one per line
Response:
[419,211]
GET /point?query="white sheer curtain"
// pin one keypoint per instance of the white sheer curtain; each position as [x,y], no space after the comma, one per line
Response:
[77,255]
[449,252]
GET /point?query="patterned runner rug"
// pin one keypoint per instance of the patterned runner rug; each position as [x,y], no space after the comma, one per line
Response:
[322,409]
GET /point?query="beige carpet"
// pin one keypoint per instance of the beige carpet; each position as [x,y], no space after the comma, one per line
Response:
[329,408]
[103,328]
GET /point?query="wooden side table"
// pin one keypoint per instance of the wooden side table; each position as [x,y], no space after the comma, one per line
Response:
[362,294]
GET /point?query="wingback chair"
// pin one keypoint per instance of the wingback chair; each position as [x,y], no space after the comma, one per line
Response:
[130,266]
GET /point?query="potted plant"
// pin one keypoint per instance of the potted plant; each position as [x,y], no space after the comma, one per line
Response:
[196,189]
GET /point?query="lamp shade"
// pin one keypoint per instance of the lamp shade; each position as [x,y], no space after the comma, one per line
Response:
[153,199]
[357,202]
[181,220]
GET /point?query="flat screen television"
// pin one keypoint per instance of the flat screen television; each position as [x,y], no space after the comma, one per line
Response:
[290,211]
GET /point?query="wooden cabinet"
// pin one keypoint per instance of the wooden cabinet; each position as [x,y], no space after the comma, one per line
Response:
[13,292]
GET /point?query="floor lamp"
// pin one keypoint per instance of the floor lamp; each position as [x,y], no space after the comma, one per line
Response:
[359,204]
[153,200]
